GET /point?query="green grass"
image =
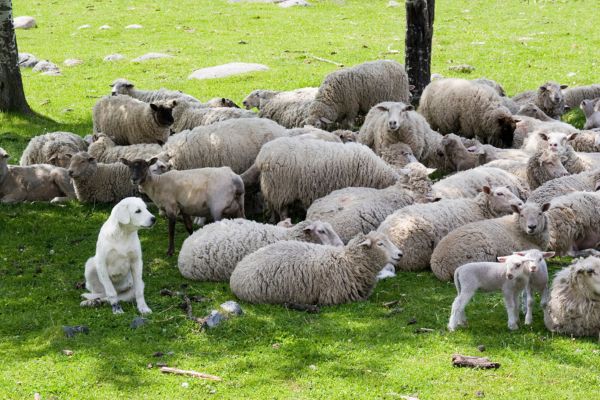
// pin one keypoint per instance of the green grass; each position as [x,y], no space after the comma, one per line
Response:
[358,351]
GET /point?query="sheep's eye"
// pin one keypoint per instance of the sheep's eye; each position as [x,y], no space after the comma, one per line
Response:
[500,194]
[321,231]
[540,214]
[138,211]
[380,244]
[517,265]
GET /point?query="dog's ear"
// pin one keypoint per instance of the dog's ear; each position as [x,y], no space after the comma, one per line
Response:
[121,213]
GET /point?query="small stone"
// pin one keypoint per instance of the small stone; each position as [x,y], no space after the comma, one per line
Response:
[86,26]
[232,308]
[294,3]
[27,60]
[149,366]
[46,66]
[313,367]
[276,346]
[161,364]
[24,22]
[67,352]
[463,68]
[137,322]
[150,56]
[479,393]
[571,74]
[51,252]
[185,385]
[393,3]
[105,27]
[71,62]
[481,348]
[134,26]
[113,57]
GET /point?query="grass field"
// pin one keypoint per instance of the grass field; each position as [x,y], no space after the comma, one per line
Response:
[356,351]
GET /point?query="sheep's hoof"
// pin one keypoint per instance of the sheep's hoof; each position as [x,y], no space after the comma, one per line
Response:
[513,327]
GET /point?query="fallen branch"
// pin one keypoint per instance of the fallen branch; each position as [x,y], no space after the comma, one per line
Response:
[424,330]
[201,375]
[324,60]
[187,306]
[473,362]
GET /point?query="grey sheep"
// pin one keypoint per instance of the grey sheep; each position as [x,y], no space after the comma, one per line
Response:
[575,95]
[130,121]
[187,115]
[486,240]
[350,92]
[588,181]
[549,98]
[591,109]
[468,183]
[418,228]
[533,111]
[124,87]
[105,150]
[52,148]
[456,157]
[211,253]
[307,273]
[491,83]
[289,109]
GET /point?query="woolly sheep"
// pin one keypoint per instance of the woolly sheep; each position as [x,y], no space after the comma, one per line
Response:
[52,148]
[130,121]
[398,155]
[124,87]
[211,253]
[549,98]
[491,83]
[346,136]
[187,115]
[575,95]
[306,273]
[533,111]
[457,157]
[350,92]
[485,240]
[106,151]
[289,109]
[586,141]
[527,125]
[418,228]
[469,183]
[588,181]
[469,109]
[574,306]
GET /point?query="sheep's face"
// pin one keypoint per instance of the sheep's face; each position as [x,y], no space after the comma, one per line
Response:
[346,136]
[139,169]
[396,114]
[552,94]
[159,168]
[532,217]
[82,165]
[163,112]
[323,233]
[587,106]
[121,86]
[586,275]
[252,100]
[217,102]
[557,141]
[531,110]
[60,160]
[507,126]
[516,266]
[536,258]
[501,199]
[551,163]
[380,246]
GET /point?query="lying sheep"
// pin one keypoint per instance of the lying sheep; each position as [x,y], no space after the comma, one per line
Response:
[350,92]
[353,210]
[527,125]
[538,280]
[130,121]
[346,136]
[38,182]
[203,192]
[491,83]
[586,141]
[106,151]
[533,111]
[419,228]
[575,95]
[456,157]
[398,155]
[574,305]
[469,109]
[549,98]
[289,109]
[588,181]
[591,110]
[187,115]
[52,148]
[488,239]
[211,253]
[306,273]
[124,87]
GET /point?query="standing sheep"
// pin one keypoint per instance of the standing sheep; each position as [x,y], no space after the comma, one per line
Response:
[538,281]
[52,148]
[106,151]
[188,115]
[549,98]
[306,273]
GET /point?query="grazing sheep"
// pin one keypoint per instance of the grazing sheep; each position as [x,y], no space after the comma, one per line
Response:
[130,121]
[575,95]
[469,109]
[588,181]
[574,306]
[124,87]
[538,280]
[533,111]
[306,273]
[100,183]
[350,92]
[549,98]
[52,148]
[289,109]
[188,115]
[353,210]
[510,275]
[38,182]
[419,228]
[211,253]
[106,151]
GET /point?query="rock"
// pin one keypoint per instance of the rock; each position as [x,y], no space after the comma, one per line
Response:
[67,352]
[393,3]
[105,27]
[232,308]
[70,331]
[464,68]
[24,22]
[134,26]
[71,62]
[151,56]
[114,57]
[27,60]
[293,3]
[481,348]
[137,322]
[213,319]
[46,66]
[86,26]
[221,71]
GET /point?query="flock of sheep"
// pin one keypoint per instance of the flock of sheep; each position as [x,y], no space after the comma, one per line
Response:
[521,186]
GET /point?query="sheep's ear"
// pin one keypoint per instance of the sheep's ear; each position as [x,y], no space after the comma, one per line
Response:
[152,160]
[52,160]
[564,86]
[545,207]
[382,108]
[543,88]
[6,155]
[572,136]
[68,155]
[90,159]
[409,108]
[515,208]
[520,253]
[125,161]
[173,103]
[431,171]
[121,213]
[548,254]
[154,106]
[503,258]
[486,190]
[543,136]
[411,88]
[111,85]
[597,187]
[367,243]
[309,228]
[129,85]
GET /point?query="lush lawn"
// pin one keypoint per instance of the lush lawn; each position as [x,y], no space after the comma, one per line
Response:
[353,351]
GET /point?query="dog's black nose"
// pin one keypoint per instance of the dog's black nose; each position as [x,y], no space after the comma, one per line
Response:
[153,219]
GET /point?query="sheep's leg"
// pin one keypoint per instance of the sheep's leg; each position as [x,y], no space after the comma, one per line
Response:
[216,213]
[187,221]
[511,310]
[530,301]
[172,221]
[457,316]
[545,298]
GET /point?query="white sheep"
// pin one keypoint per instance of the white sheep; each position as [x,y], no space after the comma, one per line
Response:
[549,98]
[188,115]
[52,148]
[588,181]
[538,280]
[289,109]
[105,150]
[124,87]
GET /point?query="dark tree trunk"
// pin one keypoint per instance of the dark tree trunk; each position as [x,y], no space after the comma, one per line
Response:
[419,32]
[12,96]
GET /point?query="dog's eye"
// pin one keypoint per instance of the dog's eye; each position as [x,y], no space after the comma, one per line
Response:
[138,211]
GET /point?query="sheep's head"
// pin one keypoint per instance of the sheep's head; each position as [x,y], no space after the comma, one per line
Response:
[60,160]
[587,106]
[139,169]
[379,248]
[501,200]
[82,165]
[396,114]
[506,128]
[162,112]
[252,100]
[415,177]
[551,94]
[346,136]
[159,168]
[585,277]
[536,258]
[532,217]
[550,161]
[286,223]
[121,86]
[516,265]
[557,141]
[322,233]
[533,111]
[221,102]
[398,154]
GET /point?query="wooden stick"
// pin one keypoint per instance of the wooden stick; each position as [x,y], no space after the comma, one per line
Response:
[201,375]
[325,60]
[473,362]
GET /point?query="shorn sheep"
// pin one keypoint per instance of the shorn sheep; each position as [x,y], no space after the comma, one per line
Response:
[574,306]
[52,148]
[105,150]
[350,92]
[211,253]
[306,273]
[485,240]
[549,98]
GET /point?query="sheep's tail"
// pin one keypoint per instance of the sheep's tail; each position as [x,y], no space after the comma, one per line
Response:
[251,178]
[457,281]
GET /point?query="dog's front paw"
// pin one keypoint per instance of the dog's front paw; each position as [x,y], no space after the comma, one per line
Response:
[144,309]
[90,303]
[116,309]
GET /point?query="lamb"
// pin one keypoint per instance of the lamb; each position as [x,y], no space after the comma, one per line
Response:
[419,228]
[549,98]
[187,115]
[591,109]
[588,181]
[38,182]
[538,280]
[533,111]
[106,151]
[574,305]
[307,273]
[211,253]
[488,239]
[510,275]
[130,121]
[575,95]
[52,148]
[289,109]
[350,92]
[100,183]
[124,87]
[353,210]
[202,192]
[469,109]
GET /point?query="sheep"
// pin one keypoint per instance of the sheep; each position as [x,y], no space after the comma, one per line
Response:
[588,181]
[124,87]
[37,182]
[100,183]
[350,92]
[346,136]
[51,148]
[211,253]
[187,115]
[398,155]
[234,143]
[254,99]
[130,121]
[469,109]
[106,151]
[549,98]
[491,83]
[591,110]
[538,280]
[574,305]
[586,141]
[510,275]
[292,170]
[289,109]
[533,111]
[575,95]
[307,273]
[527,125]
[310,132]
[357,209]
[485,240]
[202,192]
[456,157]
[418,228]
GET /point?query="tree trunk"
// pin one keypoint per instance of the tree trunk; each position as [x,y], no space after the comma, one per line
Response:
[419,32]
[12,96]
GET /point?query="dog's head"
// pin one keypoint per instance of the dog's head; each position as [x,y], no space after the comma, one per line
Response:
[132,211]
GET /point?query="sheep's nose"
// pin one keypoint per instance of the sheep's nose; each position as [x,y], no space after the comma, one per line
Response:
[399,254]
[520,204]
[70,173]
[531,227]
[509,276]
[393,124]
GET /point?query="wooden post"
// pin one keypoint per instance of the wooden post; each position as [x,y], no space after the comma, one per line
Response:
[419,33]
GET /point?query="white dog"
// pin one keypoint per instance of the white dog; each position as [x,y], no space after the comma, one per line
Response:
[115,273]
